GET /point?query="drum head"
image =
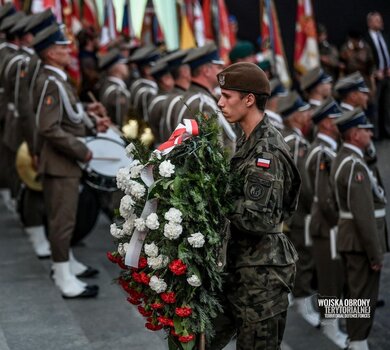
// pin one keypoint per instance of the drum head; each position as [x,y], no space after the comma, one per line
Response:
[108,156]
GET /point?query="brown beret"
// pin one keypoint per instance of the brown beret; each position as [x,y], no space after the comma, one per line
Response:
[245,77]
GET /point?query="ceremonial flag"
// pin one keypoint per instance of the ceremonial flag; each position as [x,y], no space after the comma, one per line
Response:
[88,13]
[69,17]
[42,5]
[216,19]
[271,41]
[109,27]
[137,12]
[306,55]
[198,23]
[187,39]
[126,25]
[167,15]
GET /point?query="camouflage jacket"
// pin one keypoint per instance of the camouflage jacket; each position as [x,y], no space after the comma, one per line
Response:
[265,192]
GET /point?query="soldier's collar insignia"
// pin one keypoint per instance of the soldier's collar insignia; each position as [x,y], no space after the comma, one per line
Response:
[359,177]
[221,79]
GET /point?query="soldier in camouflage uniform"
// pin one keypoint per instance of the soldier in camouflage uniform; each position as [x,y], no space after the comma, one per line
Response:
[260,258]
[323,211]
[362,230]
[297,117]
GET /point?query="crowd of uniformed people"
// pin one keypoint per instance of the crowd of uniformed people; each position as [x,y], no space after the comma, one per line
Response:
[339,228]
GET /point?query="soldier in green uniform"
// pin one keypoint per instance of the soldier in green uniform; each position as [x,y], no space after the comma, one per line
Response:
[323,211]
[296,116]
[113,91]
[362,231]
[260,258]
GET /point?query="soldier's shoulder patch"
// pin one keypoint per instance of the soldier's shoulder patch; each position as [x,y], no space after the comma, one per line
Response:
[359,177]
[263,162]
[255,191]
[322,165]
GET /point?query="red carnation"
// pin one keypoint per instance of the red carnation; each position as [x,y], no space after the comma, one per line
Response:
[111,257]
[178,267]
[144,278]
[136,277]
[168,297]
[142,263]
[153,327]
[133,301]
[134,294]
[122,265]
[157,306]
[183,311]
[186,338]
[144,312]
[166,321]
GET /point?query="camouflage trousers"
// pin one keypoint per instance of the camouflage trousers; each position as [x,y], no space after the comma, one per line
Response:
[255,307]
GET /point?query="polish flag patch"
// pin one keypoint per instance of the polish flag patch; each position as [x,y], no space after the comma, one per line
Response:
[263,163]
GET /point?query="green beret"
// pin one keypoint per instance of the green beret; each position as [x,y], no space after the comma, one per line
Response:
[245,77]
[242,49]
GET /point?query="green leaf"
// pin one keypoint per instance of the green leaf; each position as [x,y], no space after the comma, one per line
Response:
[177,323]
[188,346]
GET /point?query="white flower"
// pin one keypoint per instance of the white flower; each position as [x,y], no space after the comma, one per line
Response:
[151,250]
[194,281]
[135,169]
[126,207]
[196,240]
[128,225]
[122,248]
[116,231]
[140,224]
[172,230]
[158,262]
[152,221]
[130,150]
[122,178]
[173,215]
[156,154]
[136,189]
[157,284]
[166,168]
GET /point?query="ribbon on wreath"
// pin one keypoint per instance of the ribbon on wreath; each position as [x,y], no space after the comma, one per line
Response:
[183,131]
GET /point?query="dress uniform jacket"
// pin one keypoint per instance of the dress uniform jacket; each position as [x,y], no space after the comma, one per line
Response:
[362,231]
[141,92]
[324,215]
[198,98]
[61,148]
[116,98]
[156,112]
[361,200]
[297,225]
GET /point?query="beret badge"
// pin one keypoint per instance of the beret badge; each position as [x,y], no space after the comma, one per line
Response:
[221,79]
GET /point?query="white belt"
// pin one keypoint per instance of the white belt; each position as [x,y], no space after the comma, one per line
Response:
[379,213]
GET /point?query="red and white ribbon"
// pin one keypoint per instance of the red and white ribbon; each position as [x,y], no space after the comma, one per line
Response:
[182,132]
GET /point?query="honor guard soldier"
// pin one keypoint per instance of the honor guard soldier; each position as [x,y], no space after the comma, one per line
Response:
[362,232]
[181,73]
[323,211]
[10,76]
[353,93]
[114,94]
[277,90]
[61,120]
[260,267]
[6,47]
[143,88]
[317,86]
[296,116]
[32,203]
[165,83]
[205,64]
